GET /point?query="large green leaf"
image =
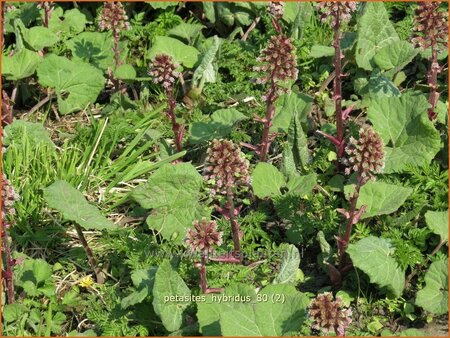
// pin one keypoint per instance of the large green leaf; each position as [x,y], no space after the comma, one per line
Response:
[181,53]
[21,65]
[395,56]
[186,31]
[70,23]
[434,296]
[290,106]
[36,37]
[73,206]
[437,221]
[373,255]
[301,185]
[382,198]
[289,265]
[76,84]
[295,154]
[172,192]
[221,124]
[374,32]
[94,48]
[168,283]
[276,310]
[267,180]
[410,137]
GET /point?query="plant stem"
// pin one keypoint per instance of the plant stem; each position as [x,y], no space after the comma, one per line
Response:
[338,90]
[349,225]
[8,275]
[234,225]
[89,254]
[203,282]
[47,10]
[432,81]
[116,50]
[177,129]
[7,109]
[267,121]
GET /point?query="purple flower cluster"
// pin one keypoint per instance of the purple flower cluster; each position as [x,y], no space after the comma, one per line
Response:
[113,17]
[203,236]
[278,62]
[431,25]
[339,11]
[225,166]
[276,9]
[9,197]
[329,315]
[163,71]
[365,155]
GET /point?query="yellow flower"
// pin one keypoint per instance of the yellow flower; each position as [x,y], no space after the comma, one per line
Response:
[86,282]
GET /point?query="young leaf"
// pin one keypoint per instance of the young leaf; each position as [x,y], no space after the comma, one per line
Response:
[73,206]
[374,32]
[267,180]
[205,72]
[434,296]
[76,83]
[172,192]
[186,31]
[382,198]
[410,137]
[373,255]
[290,106]
[437,221]
[289,265]
[182,53]
[168,283]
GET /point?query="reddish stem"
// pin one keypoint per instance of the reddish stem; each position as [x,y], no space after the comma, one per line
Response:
[432,81]
[7,109]
[9,263]
[47,13]
[235,230]
[178,130]
[267,121]
[338,89]
[203,282]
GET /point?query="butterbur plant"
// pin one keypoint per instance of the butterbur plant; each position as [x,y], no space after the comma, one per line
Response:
[329,315]
[164,72]
[114,18]
[431,32]
[276,11]
[9,197]
[48,9]
[278,65]
[365,158]
[227,171]
[339,12]
[203,237]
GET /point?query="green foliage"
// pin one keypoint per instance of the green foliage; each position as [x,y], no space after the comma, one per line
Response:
[79,85]
[374,256]
[71,203]
[381,198]
[434,296]
[183,54]
[172,192]
[265,312]
[410,137]
[220,125]
[169,284]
